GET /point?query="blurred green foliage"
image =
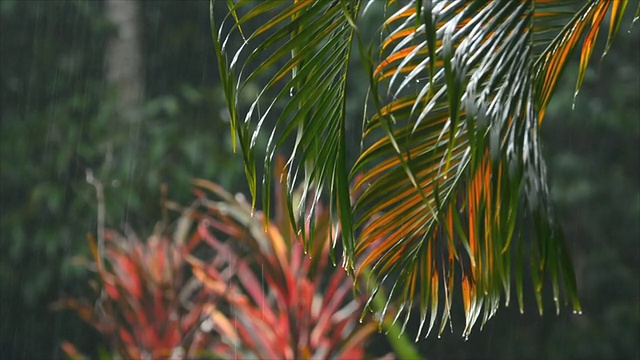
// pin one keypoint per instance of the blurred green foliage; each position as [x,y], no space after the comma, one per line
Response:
[58,120]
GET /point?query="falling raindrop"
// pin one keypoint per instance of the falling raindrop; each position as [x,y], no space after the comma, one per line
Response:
[291,91]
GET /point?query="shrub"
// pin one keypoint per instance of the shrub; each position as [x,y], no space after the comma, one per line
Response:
[224,284]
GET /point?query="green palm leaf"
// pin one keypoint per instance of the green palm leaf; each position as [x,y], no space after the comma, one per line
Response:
[308,44]
[453,171]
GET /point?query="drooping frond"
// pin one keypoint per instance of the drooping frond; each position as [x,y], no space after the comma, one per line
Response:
[452,174]
[460,89]
[552,61]
[301,102]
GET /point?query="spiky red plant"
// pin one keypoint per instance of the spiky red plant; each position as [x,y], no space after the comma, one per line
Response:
[279,303]
[229,288]
[147,308]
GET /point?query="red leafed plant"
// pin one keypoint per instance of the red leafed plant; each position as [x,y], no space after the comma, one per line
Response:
[228,287]
[279,303]
[148,308]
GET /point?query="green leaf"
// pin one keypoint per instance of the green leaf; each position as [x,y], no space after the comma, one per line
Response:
[452,169]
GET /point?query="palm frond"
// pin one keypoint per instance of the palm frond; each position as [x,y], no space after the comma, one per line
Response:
[460,88]
[303,101]
[552,61]
[452,171]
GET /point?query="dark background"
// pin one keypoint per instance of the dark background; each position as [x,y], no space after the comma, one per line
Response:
[59,117]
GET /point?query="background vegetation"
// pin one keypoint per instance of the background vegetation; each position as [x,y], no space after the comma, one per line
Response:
[59,117]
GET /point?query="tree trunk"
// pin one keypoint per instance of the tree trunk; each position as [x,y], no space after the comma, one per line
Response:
[124,69]
[125,76]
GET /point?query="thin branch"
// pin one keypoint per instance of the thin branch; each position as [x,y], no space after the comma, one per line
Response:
[101,211]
